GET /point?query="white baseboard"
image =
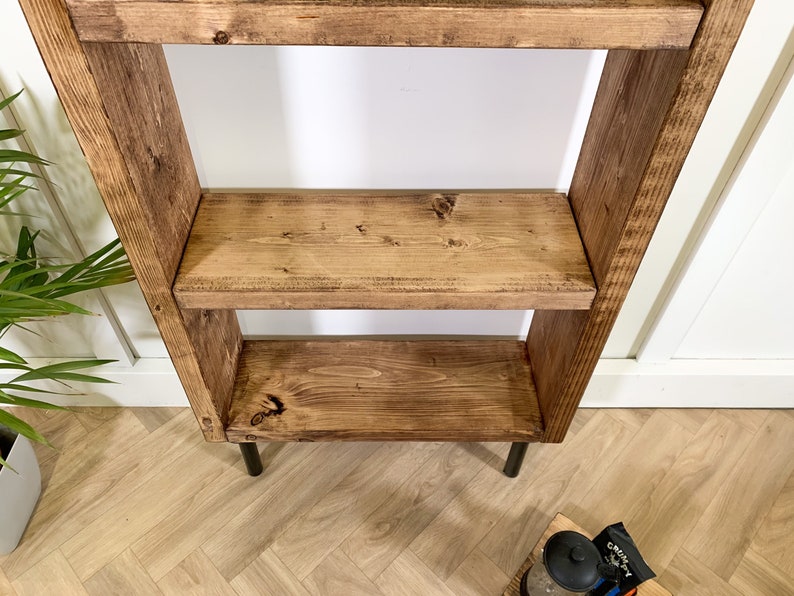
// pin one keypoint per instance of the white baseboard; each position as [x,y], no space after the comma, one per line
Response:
[692,384]
[615,384]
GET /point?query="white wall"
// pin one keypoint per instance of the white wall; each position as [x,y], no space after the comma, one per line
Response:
[395,118]
[453,119]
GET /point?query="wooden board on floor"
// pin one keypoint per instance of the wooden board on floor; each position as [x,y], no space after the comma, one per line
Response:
[384,390]
[559,524]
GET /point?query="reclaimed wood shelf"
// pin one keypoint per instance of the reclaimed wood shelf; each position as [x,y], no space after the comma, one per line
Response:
[199,256]
[437,251]
[383,391]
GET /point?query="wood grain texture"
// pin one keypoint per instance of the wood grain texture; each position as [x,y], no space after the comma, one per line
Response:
[393,526]
[107,536]
[107,453]
[567,480]
[131,77]
[51,575]
[640,24]
[477,575]
[636,89]
[359,250]
[686,576]
[268,570]
[306,478]
[123,575]
[755,576]
[755,488]
[339,575]
[407,574]
[195,575]
[687,489]
[317,477]
[375,390]
[173,539]
[774,535]
[559,524]
[325,526]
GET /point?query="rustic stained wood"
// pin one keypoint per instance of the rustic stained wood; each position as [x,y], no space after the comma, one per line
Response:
[561,523]
[383,391]
[360,250]
[657,83]
[640,24]
[618,194]
[126,118]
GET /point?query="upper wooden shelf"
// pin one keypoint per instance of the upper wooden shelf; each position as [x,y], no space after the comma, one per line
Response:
[384,391]
[631,24]
[442,251]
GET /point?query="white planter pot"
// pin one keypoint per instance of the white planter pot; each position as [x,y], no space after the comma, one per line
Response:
[19,493]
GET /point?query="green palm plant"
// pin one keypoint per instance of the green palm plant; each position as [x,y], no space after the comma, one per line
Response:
[33,289]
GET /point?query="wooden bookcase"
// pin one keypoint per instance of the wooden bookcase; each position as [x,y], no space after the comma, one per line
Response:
[199,256]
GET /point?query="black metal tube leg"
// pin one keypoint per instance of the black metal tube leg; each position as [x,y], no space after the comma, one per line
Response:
[514,459]
[252,459]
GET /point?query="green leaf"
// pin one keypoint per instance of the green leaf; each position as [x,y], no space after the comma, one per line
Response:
[10,356]
[63,371]
[7,101]
[10,133]
[29,403]
[22,428]
[16,156]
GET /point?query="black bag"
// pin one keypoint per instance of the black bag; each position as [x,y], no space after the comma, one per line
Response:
[618,550]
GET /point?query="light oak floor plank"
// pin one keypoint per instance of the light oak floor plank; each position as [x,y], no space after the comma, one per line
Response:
[755,576]
[690,418]
[775,536]
[717,483]
[665,519]
[621,491]
[91,418]
[51,575]
[733,517]
[392,527]
[179,534]
[154,418]
[129,519]
[304,544]
[407,574]
[337,575]
[686,576]
[313,470]
[89,477]
[268,570]
[5,585]
[577,465]
[123,575]
[195,575]
[477,575]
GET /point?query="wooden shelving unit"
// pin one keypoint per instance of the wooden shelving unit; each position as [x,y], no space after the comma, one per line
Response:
[199,256]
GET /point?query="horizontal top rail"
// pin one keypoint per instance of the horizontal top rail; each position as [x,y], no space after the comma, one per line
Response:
[593,24]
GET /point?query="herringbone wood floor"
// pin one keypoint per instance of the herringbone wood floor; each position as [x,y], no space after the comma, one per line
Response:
[136,503]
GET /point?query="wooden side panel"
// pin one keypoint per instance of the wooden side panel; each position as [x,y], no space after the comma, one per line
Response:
[624,176]
[136,90]
[143,169]
[455,23]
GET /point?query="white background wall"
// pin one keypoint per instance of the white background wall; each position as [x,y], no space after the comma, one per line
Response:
[461,119]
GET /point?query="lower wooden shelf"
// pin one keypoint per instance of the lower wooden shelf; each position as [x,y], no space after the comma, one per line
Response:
[384,390]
